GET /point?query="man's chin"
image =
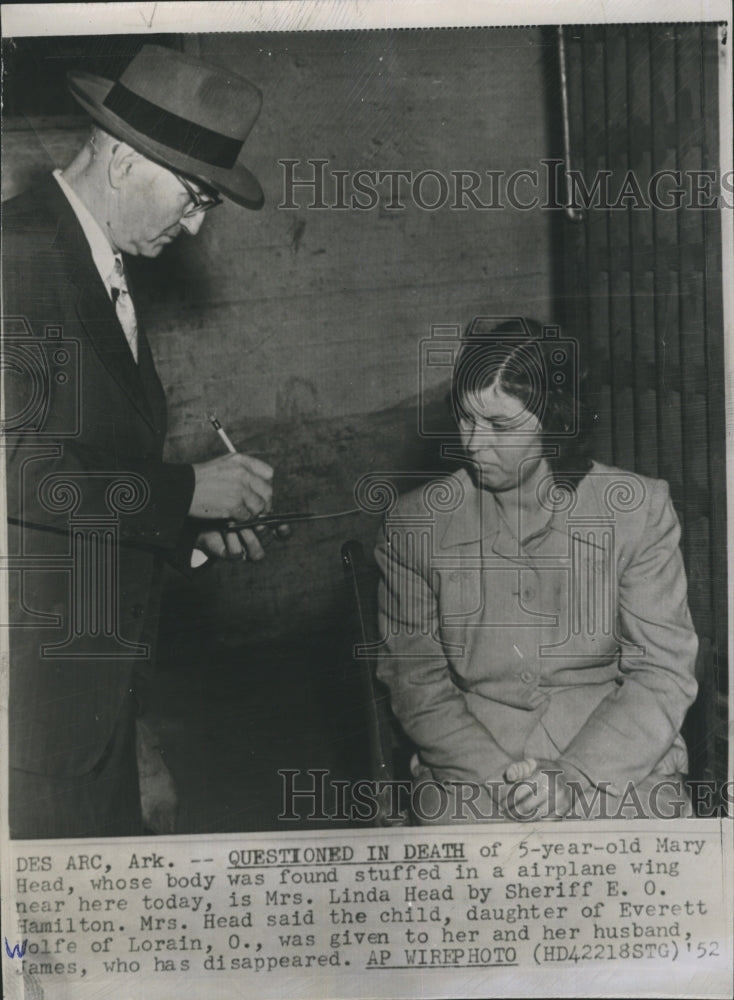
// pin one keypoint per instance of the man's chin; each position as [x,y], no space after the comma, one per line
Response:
[151,249]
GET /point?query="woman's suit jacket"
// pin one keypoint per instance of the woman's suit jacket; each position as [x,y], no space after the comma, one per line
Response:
[105,416]
[576,645]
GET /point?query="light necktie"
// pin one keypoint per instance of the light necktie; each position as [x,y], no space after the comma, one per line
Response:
[124,306]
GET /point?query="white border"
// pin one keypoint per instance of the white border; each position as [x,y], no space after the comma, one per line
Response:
[332,15]
[726,162]
[19,20]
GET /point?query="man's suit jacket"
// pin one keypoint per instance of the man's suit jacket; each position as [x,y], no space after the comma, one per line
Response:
[576,645]
[85,414]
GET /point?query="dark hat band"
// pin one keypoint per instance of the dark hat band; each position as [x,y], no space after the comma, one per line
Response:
[169,129]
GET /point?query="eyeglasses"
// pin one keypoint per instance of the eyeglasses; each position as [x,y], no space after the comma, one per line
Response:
[200,201]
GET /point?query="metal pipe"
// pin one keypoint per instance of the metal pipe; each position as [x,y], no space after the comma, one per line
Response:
[573,213]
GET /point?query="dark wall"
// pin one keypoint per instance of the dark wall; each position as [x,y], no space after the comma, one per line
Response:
[301,328]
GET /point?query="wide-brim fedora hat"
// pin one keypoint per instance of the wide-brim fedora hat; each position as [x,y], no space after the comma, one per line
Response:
[185,114]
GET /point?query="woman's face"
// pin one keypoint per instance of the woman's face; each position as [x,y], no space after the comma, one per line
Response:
[501,437]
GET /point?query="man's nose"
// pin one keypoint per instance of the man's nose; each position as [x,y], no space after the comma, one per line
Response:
[192,223]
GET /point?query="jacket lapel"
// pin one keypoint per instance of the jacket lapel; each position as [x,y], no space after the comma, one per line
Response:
[94,308]
[146,369]
[152,387]
[98,317]
[473,520]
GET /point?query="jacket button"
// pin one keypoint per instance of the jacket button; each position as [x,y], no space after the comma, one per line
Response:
[138,610]
[527,676]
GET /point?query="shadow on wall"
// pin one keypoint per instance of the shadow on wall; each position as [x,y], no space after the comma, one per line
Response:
[299,587]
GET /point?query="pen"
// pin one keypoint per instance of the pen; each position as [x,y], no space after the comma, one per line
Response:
[223,435]
[256,523]
[198,558]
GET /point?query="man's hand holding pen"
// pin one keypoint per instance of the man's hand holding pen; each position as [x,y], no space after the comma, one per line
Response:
[232,487]
[238,489]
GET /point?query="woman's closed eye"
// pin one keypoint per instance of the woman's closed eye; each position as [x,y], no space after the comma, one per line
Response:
[500,426]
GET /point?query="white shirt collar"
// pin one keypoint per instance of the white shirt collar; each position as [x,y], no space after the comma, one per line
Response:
[102,253]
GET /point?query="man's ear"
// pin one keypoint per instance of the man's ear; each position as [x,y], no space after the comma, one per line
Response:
[122,160]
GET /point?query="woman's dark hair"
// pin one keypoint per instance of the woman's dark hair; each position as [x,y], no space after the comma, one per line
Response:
[538,367]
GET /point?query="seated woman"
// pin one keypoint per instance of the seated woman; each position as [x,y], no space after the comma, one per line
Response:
[539,648]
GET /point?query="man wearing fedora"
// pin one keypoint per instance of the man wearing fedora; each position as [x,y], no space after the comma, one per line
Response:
[94,510]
